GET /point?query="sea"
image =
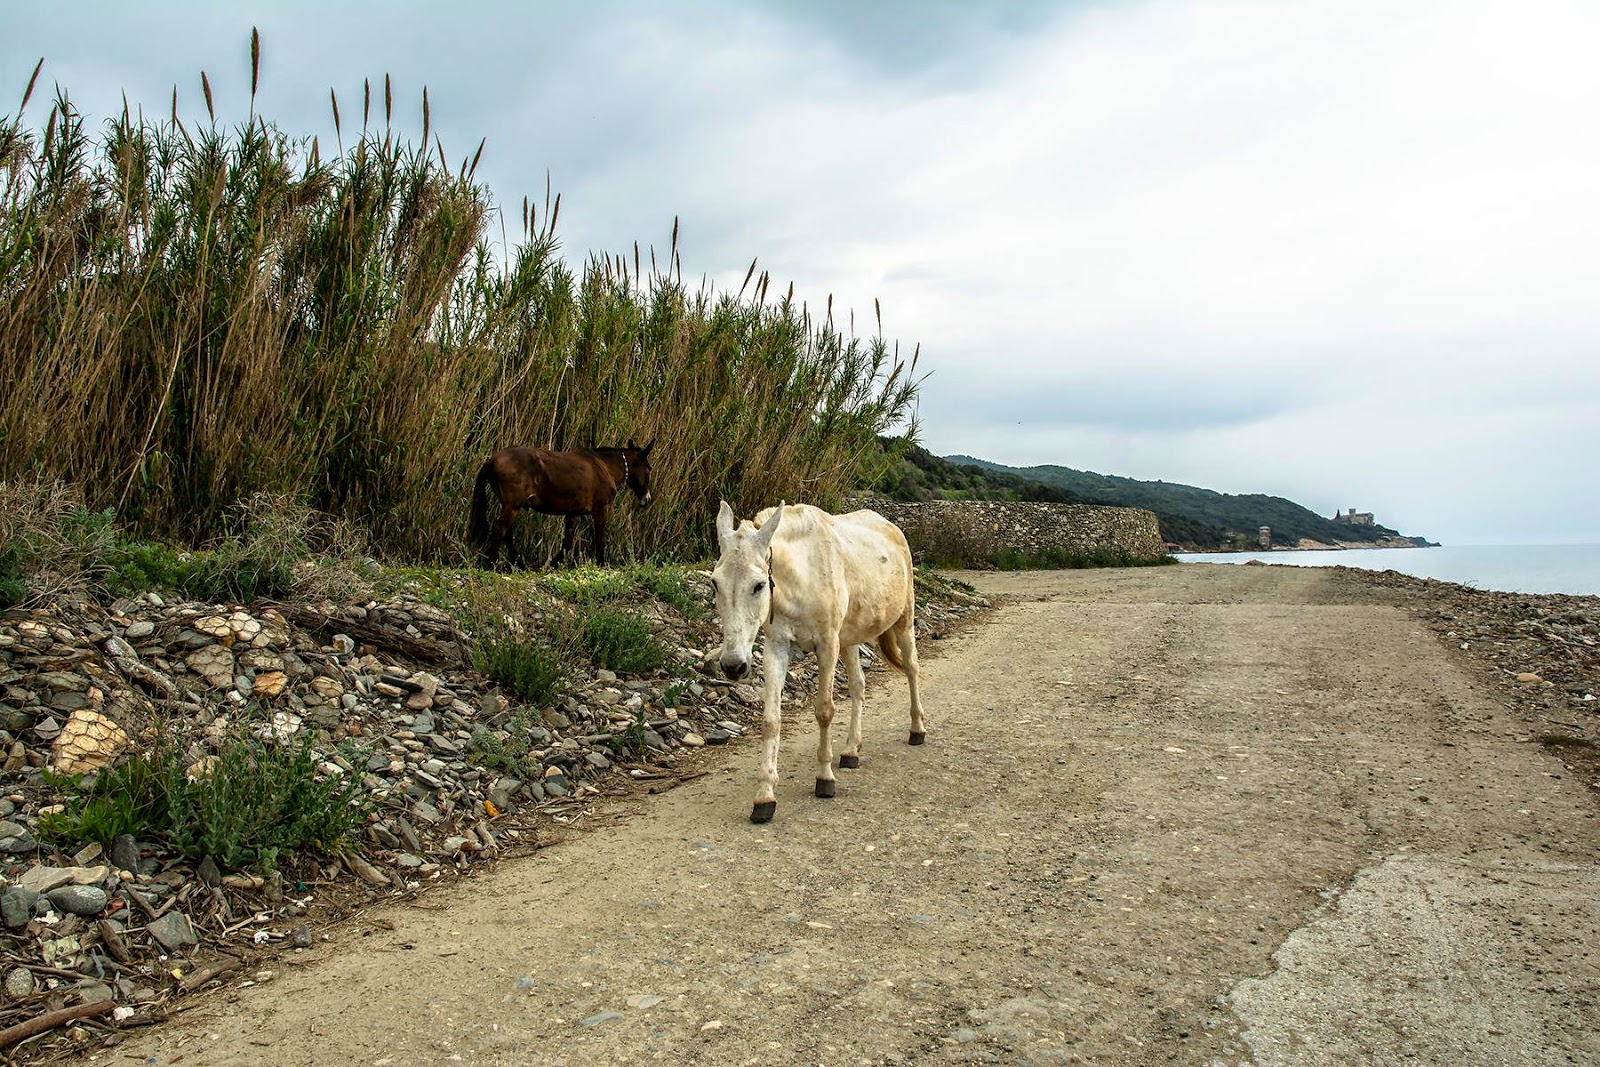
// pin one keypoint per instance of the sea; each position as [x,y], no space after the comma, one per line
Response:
[1507,568]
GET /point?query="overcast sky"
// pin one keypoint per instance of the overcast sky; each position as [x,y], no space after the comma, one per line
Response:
[1342,251]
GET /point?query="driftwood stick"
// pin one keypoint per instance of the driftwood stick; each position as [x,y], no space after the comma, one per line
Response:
[51,1019]
[205,973]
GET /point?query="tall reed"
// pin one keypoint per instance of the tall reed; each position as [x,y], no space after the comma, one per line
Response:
[193,315]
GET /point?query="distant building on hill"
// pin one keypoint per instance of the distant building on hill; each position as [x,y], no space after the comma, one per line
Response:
[1352,517]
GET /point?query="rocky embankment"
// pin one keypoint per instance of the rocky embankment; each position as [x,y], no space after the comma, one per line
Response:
[105,935]
[1541,651]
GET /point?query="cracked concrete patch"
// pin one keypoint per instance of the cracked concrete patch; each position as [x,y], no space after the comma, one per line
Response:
[1428,959]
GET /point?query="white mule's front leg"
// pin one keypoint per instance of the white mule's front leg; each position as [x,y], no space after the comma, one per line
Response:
[907,638]
[775,670]
[851,756]
[827,667]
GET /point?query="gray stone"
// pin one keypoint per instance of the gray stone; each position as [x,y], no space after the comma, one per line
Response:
[602,1017]
[69,702]
[300,937]
[16,906]
[85,900]
[95,993]
[597,760]
[139,628]
[14,837]
[42,879]
[125,852]
[62,682]
[174,931]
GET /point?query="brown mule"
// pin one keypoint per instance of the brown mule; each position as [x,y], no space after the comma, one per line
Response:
[554,483]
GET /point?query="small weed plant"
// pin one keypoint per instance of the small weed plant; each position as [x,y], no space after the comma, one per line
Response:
[258,801]
[618,640]
[531,668]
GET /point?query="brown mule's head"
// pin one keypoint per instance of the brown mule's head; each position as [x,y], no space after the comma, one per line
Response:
[638,470]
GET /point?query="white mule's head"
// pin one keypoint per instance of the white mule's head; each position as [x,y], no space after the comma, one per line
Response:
[741,583]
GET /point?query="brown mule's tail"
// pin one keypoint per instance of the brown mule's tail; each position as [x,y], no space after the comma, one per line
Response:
[891,650]
[478,521]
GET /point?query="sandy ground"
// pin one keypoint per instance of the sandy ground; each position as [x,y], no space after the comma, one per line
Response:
[1189,814]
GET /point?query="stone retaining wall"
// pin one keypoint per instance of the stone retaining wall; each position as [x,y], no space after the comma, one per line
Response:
[975,530]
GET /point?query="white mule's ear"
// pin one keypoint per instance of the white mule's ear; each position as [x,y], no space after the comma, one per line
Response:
[724,525]
[768,528]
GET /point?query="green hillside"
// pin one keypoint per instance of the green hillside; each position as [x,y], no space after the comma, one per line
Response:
[917,474]
[1237,517]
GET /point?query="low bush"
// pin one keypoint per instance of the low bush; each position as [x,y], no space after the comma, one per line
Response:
[530,668]
[12,586]
[257,801]
[618,640]
[510,749]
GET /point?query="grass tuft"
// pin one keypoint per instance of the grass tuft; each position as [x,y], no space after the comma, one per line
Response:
[259,801]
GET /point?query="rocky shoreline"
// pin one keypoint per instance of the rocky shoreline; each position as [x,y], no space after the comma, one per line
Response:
[1540,651]
[117,932]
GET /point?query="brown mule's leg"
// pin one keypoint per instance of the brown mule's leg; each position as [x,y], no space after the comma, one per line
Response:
[569,534]
[498,536]
[600,536]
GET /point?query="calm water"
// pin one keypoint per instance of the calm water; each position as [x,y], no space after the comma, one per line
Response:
[1509,568]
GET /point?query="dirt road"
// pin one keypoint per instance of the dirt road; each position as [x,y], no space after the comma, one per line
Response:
[1180,815]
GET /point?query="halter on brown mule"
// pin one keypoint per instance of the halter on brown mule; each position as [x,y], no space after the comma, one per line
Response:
[554,483]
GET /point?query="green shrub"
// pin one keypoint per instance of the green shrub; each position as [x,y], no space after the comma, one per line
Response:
[631,741]
[129,798]
[511,753]
[12,586]
[259,800]
[618,640]
[587,584]
[675,587]
[530,668]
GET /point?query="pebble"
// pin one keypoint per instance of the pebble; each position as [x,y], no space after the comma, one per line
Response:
[15,838]
[79,899]
[602,1017]
[19,983]
[174,931]
[125,852]
[16,906]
